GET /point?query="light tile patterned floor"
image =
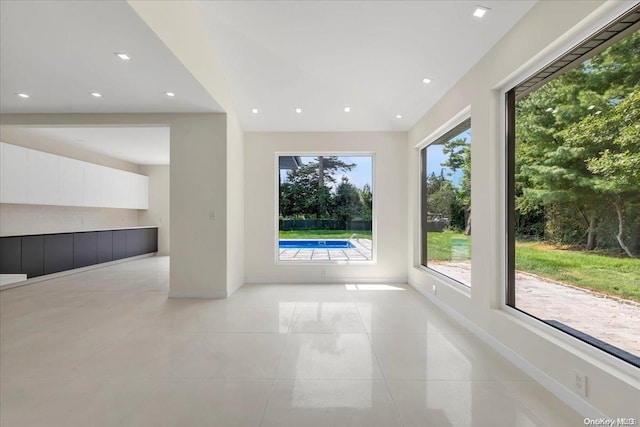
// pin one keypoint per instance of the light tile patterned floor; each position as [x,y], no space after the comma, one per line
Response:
[362,252]
[107,348]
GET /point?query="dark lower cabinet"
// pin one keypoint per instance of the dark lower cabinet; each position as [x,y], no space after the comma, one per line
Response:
[105,246]
[11,255]
[85,249]
[52,253]
[136,242]
[58,253]
[119,244]
[32,256]
[152,240]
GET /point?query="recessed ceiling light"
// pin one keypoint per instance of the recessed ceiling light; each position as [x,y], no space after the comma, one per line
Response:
[96,95]
[426,80]
[480,11]
[254,110]
[123,56]
[398,116]
[347,109]
[170,94]
[298,110]
[22,95]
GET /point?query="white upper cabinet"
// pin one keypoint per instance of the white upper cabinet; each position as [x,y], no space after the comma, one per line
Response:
[13,174]
[141,192]
[107,190]
[42,181]
[34,177]
[122,188]
[71,182]
[92,185]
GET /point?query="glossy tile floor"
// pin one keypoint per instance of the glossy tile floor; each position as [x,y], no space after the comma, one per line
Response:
[107,348]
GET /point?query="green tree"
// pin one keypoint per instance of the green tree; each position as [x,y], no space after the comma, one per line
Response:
[306,192]
[441,197]
[615,138]
[327,167]
[366,197]
[459,152]
[554,175]
[346,202]
[299,194]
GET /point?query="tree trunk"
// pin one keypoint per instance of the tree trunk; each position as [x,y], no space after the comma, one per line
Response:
[591,233]
[320,186]
[621,230]
[467,229]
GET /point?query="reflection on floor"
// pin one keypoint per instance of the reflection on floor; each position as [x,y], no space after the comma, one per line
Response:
[106,347]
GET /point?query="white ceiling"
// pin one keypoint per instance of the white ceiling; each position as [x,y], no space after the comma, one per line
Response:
[370,55]
[138,145]
[60,51]
[277,56]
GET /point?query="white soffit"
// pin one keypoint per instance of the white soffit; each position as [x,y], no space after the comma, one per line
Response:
[58,52]
[138,145]
[322,56]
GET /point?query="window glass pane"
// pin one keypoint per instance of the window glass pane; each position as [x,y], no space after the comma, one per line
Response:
[325,209]
[577,201]
[446,205]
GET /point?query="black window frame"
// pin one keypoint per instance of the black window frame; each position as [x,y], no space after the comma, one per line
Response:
[621,27]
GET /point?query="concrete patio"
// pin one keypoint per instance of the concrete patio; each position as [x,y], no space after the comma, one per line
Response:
[362,252]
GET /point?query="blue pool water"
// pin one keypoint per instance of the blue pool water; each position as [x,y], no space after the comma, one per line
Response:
[315,244]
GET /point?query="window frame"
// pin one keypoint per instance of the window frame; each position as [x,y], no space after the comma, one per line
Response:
[374,209]
[444,132]
[508,97]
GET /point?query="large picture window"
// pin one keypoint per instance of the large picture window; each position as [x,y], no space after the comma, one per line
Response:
[446,204]
[573,185]
[325,209]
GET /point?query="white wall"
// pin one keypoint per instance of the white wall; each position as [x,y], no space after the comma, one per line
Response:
[36,219]
[235,205]
[390,199]
[159,203]
[20,136]
[193,48]
[613,387]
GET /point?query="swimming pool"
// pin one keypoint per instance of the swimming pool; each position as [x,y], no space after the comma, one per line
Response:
[315,244]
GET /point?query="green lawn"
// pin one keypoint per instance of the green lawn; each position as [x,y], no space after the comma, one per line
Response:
[439,245]
[610,275]
[607,274]
[323,234]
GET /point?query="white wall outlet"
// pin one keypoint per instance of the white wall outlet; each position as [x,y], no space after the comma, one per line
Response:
[323,272]
[212,215]
[580,383]
[435,289]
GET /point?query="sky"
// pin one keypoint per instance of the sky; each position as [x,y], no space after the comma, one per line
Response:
[360,175]
[435,158]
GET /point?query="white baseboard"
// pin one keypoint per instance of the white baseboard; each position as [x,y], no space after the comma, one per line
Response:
[74,271]
[10,279]
[325,280]
[204,295]
[560,391]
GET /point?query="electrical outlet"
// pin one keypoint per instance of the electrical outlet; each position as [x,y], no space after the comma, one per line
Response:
[212,215]
[580,383]
[323,272]
[435,289]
